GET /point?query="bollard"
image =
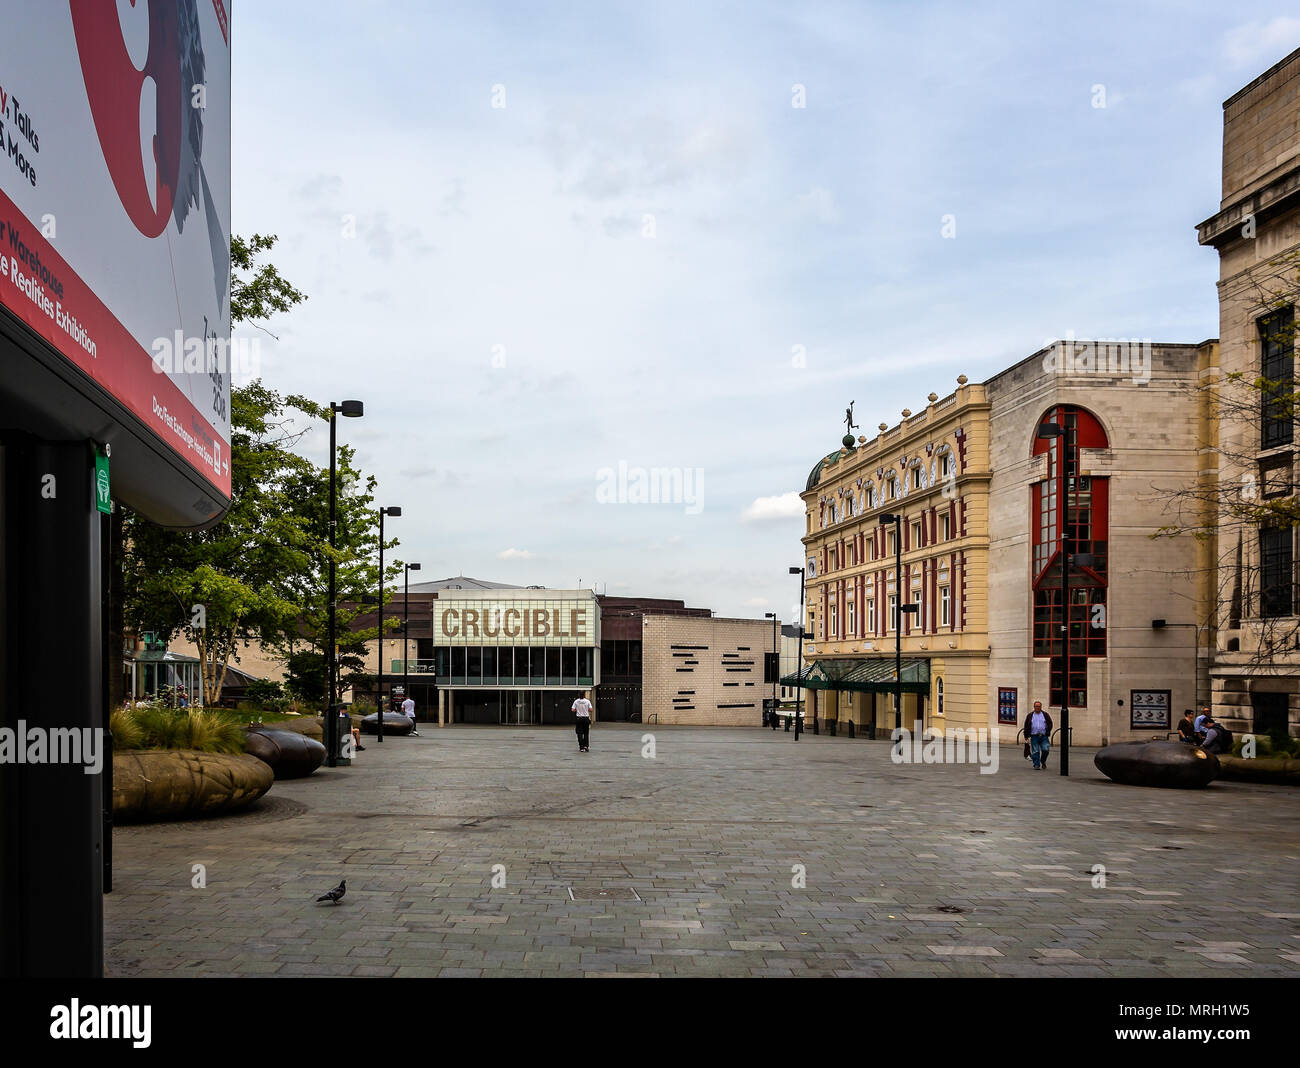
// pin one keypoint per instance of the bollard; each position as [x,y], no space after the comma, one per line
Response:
[851,734]
[787,724]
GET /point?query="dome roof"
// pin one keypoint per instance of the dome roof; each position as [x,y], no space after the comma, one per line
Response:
[816,473]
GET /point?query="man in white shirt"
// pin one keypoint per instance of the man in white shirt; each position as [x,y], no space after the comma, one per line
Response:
[582,723]
[408,710]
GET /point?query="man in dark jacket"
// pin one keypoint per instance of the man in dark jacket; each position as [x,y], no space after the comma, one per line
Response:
[1187,728]
[1214,736]
[1038,733]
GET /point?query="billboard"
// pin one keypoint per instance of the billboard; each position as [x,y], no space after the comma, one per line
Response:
[115,239]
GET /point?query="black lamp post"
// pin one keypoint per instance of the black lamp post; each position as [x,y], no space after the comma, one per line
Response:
[406,624]
[351,409]
[776,647]
[379,677]
[799,669]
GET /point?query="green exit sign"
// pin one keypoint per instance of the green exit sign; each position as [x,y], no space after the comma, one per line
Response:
[103,500]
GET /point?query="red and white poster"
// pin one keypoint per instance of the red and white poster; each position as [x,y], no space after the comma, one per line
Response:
[115,205]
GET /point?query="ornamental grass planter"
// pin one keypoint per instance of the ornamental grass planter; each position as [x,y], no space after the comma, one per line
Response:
[151,785]
[1277,771]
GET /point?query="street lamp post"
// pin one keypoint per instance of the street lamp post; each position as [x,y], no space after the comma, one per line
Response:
[406,624]
[776,647]
[379,674]
[799,670]
[351,409]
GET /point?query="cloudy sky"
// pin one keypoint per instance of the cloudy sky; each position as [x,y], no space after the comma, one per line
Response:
[547,244]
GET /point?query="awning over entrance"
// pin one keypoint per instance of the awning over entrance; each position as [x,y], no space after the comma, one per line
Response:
[875,675]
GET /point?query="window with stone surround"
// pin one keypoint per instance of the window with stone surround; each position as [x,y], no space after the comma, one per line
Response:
[1069,516]
[1276,572]
[1277,369]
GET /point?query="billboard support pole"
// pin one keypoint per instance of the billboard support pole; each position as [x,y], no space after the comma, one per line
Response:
[51,813]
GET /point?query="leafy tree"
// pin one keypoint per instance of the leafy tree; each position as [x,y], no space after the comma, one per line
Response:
[260,573]
[228,583]
[356,576]
[257,290]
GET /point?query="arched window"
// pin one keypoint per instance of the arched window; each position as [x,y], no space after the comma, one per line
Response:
[1069,519]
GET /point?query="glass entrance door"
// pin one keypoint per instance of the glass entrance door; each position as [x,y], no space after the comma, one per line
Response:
[519,707]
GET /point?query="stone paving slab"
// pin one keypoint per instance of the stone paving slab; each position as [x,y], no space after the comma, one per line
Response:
[751,855]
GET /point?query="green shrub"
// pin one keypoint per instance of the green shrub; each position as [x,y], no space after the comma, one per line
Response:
[211,732]
[160,726]
[150,726]
[125,730]
[264,691]
[1274,744]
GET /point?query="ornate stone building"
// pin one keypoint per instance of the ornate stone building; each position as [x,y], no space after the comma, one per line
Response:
[1256,231]
[986,508]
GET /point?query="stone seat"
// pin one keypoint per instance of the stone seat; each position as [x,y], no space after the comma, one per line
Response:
[394,723]
[1158,763]
[291,754]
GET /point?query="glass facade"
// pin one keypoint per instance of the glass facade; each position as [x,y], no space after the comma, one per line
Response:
[1071,527]
[505,665]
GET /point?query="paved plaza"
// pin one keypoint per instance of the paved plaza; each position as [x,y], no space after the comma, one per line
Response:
[690,863]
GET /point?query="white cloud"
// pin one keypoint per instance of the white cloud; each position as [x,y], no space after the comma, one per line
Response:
[769,509]
[1262,44]
[515,554]
[757,602]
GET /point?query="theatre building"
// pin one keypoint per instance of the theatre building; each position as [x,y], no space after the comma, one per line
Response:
[513,655]
[983,505]
[485,652]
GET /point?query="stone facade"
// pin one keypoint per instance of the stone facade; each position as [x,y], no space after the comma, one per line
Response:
[932,469]
[1256,668]
[1154,430]
[974,577]
[704,671]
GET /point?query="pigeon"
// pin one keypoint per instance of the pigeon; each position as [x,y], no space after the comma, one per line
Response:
[335,895]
